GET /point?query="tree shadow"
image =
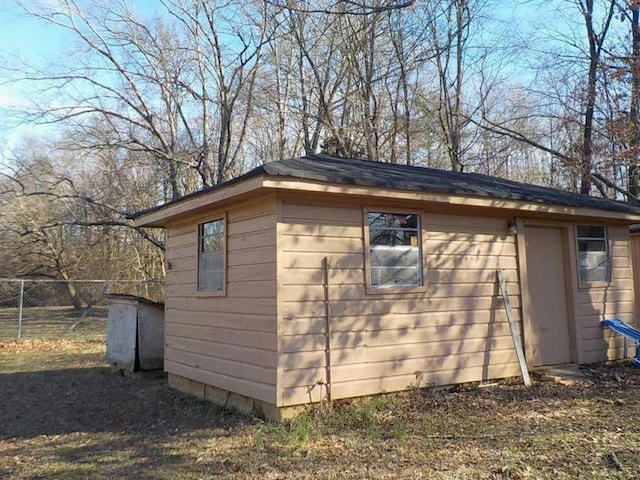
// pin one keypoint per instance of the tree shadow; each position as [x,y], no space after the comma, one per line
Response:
[452,330]
[455,330]
[93,423]
[95,400]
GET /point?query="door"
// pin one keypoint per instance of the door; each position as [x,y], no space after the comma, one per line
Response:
[548,296]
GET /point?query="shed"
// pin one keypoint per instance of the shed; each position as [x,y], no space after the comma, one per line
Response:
[135,333]
[634,231]
[409,296]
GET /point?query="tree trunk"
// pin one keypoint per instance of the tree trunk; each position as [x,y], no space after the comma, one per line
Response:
[586,157]
[634,140]
[74,297]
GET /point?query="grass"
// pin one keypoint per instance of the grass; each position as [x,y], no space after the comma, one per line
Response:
[34,355]
[64,414]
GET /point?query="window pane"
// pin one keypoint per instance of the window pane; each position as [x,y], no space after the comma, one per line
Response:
[591,232]
[590,260]
[594,275]
[394,276]
[211,261]
[593,258]
[212,228]
[394,249]
[211,280]
[393,237]
[592,245]
[212,243]
[394,256]
[211,256]
[392,220]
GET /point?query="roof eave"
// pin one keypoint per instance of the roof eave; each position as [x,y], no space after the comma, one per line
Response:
[165,214]
[160,216]
[528,208]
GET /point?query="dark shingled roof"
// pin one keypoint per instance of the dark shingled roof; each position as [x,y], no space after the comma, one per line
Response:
[351,171]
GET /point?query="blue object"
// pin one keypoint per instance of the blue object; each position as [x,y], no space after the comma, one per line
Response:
[627,331]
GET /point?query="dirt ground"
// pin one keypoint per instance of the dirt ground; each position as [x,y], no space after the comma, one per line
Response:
[64,414]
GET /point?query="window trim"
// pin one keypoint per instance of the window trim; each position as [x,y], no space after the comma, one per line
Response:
[212,293]
[598,283]
[371,290]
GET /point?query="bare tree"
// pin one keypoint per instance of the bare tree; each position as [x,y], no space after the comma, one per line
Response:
[596,38]
[226,52]
[568,90]
[180,92]
[64,217]
[463,78]
[622,97]
[351,78]
[344,7]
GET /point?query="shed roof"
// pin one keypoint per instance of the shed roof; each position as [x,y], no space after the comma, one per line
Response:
[359,172]
[133,298]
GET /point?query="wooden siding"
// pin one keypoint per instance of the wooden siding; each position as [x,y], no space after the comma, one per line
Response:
[614,300]
[454,331]
[226,341]
[634,243]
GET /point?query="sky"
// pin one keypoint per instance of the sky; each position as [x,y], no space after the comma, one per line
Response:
[29,40]
[21,40]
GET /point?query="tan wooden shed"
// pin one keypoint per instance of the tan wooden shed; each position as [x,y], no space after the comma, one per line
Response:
[634,232]
[409,295]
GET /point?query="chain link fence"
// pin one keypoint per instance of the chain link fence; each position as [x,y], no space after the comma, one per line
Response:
[52,309]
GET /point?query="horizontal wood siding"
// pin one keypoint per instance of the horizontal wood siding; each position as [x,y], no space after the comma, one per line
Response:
[634,244]
[614,300]
[226,341]
[455,330]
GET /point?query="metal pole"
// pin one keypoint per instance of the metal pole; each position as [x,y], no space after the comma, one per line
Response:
[20,309]
[327,306]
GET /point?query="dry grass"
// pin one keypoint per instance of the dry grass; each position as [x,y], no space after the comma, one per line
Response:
[63,414]
[36,355]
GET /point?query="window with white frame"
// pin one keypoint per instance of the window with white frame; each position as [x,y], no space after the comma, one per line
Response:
[211,257]
[593,254]
[395,253]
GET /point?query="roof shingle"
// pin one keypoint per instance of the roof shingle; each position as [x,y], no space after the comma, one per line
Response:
[351,171]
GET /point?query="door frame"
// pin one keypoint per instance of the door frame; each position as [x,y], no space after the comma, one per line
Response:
[569,256]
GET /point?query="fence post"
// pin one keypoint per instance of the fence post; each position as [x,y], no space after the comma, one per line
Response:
[20,309]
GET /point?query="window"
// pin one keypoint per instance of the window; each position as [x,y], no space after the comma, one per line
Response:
[593,256]
[395,256]
[211,261]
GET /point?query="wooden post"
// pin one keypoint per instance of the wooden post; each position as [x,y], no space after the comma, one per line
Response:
[327,309]
[514,333]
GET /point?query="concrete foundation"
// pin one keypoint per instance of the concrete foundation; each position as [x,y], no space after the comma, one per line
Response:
[234,401]
[566,374]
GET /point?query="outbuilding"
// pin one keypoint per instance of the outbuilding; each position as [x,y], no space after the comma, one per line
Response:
[321,275]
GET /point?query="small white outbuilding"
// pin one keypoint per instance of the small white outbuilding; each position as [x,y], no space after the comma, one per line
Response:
[135,333]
